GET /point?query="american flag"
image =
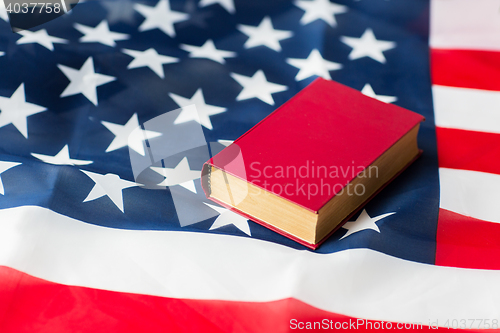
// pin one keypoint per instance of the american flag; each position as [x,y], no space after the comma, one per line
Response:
[85,248]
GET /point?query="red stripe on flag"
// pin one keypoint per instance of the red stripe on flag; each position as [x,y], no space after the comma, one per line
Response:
[467,242]
[466,68]
[468,150]
[29,304]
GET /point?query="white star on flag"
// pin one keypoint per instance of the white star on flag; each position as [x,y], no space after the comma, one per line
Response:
[160,17]
[40,37]
[264,34]
[319,10]
[226,4]
[61,158]
[208,51]
[3,12]
[109,184]
[84,80]
[368,46]
[100,34]
[130,135]
[149,58]
[180,175]
[363,222]
[257,86]
[315,64]
[228,217]
[15,110]
[4,166]
[201,114]
[368,91]
[225,142]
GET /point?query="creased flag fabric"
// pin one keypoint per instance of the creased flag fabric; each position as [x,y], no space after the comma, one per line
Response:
[465,56]
[85,247]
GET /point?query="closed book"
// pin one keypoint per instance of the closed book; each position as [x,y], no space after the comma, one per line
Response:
[310,165]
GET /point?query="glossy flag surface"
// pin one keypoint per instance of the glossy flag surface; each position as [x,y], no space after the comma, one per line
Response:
[85,247]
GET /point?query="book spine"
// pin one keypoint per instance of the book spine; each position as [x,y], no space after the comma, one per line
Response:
[205,178]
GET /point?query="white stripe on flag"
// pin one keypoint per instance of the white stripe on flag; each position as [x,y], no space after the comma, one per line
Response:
[470,193]
[359,283]
[465,24]
[468,109]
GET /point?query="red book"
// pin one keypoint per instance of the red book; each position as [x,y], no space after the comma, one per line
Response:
[316,160]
